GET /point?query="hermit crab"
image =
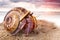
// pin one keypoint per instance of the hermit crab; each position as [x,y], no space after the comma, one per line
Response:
[19,19]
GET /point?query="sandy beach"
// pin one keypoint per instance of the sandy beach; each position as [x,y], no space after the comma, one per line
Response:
[46,31]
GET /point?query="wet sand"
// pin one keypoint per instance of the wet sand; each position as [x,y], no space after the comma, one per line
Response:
[46,31]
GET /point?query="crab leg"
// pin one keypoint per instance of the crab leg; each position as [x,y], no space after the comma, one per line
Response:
[29,26]
[20,26]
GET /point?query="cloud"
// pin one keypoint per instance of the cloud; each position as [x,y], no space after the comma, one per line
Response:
[15,0]
[4,2]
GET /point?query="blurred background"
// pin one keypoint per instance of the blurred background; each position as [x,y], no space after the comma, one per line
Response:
[43,9]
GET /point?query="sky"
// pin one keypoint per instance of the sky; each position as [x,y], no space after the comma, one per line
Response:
[43,9]
[4,2]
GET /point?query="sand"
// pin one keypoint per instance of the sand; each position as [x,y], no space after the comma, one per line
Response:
[46,31]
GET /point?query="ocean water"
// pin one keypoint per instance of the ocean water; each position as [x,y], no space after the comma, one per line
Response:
[51,18]
[2,15]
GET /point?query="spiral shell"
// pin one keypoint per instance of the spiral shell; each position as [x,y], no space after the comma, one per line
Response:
[13,18]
